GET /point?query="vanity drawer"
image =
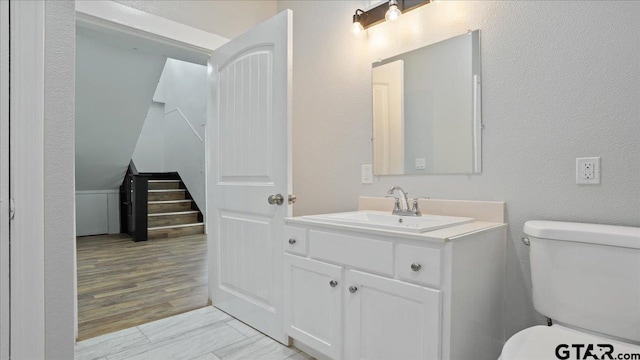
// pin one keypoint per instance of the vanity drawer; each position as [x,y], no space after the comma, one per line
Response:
[419,264]
[295,240]
[353,251]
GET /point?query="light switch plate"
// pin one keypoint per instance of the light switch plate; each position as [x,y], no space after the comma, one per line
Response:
[421,164]
[588,171]
[367,174]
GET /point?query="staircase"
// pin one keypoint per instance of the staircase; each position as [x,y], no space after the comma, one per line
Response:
[171,211]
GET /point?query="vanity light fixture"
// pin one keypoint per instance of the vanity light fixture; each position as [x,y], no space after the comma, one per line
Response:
[386,10]
[393,11]
[357,25]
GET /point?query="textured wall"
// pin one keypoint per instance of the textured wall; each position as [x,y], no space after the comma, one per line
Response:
[560,80]
[225,18]
[59,229]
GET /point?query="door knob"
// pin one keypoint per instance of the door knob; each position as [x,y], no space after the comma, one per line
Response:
[292,241]
[276,199]
[353,289]
[333,283]
[416,267]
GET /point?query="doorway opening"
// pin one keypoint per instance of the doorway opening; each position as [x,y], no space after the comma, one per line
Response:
[141,109]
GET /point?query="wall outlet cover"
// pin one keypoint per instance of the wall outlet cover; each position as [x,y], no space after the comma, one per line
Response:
[367,174]
[421,164]
[588,171]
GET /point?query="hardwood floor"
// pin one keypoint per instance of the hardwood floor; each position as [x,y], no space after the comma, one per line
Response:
[122,284]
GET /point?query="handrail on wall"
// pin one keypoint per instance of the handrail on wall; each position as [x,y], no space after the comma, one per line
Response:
[133,203]
[184,118]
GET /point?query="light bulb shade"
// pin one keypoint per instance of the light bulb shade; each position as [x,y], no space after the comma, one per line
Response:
[392,13]
[356,28]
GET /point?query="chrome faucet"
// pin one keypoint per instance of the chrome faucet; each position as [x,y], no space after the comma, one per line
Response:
[402,208]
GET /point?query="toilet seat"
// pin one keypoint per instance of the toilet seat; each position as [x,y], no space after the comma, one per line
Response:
[540,342]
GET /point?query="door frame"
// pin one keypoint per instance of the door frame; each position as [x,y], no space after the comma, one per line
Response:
[4,180]
[112,16]
[27,328]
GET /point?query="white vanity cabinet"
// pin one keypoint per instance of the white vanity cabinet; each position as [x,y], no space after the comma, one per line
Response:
[355,293]
[390,319]
[313,300]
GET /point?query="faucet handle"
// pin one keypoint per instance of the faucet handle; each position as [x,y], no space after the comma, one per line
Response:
[396,206]
[416,209]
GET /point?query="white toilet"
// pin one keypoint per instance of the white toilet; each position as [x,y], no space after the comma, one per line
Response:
[586,279]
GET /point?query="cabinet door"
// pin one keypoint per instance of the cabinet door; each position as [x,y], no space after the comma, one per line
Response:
[313,303]
[389,319]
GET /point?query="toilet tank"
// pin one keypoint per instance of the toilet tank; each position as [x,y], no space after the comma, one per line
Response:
[587,275]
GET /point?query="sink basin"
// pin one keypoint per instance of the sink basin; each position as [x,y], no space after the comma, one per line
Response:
[384,220]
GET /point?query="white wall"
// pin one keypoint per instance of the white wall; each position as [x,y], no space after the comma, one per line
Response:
[115,86]
[59,241]
[97,212]
[228,18]
[149,151]
[183,86]
[560,80]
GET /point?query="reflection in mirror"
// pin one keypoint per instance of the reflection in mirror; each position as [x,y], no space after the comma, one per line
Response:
[426,109]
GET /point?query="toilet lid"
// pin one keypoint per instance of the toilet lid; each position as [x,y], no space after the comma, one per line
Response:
[559,342]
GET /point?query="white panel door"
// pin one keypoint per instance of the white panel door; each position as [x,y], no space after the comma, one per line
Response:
[388,319]
[248,146]
[313,299]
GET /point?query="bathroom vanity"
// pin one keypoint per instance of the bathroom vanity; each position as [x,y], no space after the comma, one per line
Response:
[378,286]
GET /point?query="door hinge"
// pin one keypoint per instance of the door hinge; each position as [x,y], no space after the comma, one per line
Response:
[12,209]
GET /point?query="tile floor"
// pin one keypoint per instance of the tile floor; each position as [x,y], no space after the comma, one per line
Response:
[203,334]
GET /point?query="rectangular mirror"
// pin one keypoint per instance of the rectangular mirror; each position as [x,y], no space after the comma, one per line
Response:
[426,109]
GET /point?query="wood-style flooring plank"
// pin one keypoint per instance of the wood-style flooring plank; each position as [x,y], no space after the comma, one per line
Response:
[122,283]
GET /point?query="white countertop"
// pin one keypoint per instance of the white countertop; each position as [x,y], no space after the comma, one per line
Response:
[440,235]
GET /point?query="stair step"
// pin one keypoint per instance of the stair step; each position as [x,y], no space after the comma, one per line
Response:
[160,232]
[168,206]
[175,212]
[172,218]
[166,194]
[164,184]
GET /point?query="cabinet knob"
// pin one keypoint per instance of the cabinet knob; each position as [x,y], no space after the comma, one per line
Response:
[416,267]
[333,283]
[292,241]
[353,289]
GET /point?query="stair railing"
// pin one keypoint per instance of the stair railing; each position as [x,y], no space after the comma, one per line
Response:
[133,203]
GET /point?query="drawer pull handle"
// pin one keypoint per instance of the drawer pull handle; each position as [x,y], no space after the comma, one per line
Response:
[416,267]
[333,283]
[353,289]
[292,241]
